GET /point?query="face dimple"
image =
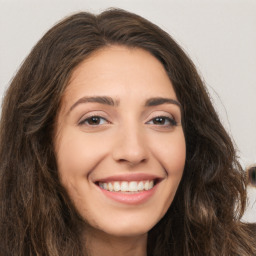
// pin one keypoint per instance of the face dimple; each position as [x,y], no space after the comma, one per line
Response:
[120,123]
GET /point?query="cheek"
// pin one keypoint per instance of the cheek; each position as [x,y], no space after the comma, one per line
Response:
[78,153]
[170,150]
[171,154]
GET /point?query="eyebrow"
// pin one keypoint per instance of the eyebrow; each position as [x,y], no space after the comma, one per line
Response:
[96,99]
[111,102]
[160,101]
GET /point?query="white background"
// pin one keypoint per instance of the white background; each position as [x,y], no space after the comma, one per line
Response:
[219,36]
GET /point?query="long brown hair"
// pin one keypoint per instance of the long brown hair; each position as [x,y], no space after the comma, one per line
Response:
[36,214]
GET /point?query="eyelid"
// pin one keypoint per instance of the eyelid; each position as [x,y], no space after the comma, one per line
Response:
[87,119]
[173,118]
[91,114]
[172,121]
[159,113]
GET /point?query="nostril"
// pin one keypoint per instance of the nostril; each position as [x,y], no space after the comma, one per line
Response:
[132,161]
[251,176]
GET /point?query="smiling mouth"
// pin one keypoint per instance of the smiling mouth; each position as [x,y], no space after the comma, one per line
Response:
[128,186]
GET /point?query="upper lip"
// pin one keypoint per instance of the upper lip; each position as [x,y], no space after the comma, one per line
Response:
[129,177]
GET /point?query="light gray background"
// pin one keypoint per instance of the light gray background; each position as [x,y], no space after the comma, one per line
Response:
[219,36]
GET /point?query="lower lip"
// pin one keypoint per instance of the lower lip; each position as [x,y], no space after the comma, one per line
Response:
[132,199]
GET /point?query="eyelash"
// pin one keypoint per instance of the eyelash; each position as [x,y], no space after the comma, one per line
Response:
[90,118]
[171,121]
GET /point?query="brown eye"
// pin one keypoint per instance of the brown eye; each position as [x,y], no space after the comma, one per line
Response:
[93,121]
[159,120]
[163,121]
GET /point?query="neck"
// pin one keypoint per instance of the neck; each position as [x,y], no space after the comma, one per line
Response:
[99,243]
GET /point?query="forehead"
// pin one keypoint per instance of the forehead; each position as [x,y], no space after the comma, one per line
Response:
[122,71]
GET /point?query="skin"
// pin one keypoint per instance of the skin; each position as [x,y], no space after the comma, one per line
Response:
[126,138]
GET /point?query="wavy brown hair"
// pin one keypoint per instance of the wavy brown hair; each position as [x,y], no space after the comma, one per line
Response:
[36,215]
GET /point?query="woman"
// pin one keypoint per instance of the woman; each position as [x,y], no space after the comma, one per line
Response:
[110,146]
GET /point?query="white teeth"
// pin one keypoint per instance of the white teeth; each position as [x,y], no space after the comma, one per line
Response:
[125,186]
[110,187]
[116,186]
[140,186]
[133,186]
[146,185]
[151,184]
[105,186]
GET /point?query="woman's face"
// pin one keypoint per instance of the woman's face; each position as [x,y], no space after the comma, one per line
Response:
[119,141]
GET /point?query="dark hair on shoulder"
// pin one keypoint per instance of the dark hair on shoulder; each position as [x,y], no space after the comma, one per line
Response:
[204,218]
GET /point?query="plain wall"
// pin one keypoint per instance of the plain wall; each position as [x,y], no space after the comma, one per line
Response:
[219,36]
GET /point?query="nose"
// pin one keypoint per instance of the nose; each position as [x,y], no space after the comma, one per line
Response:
[130,147]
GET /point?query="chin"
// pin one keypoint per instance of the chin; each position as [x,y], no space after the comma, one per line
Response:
[127,231]
[128,226]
